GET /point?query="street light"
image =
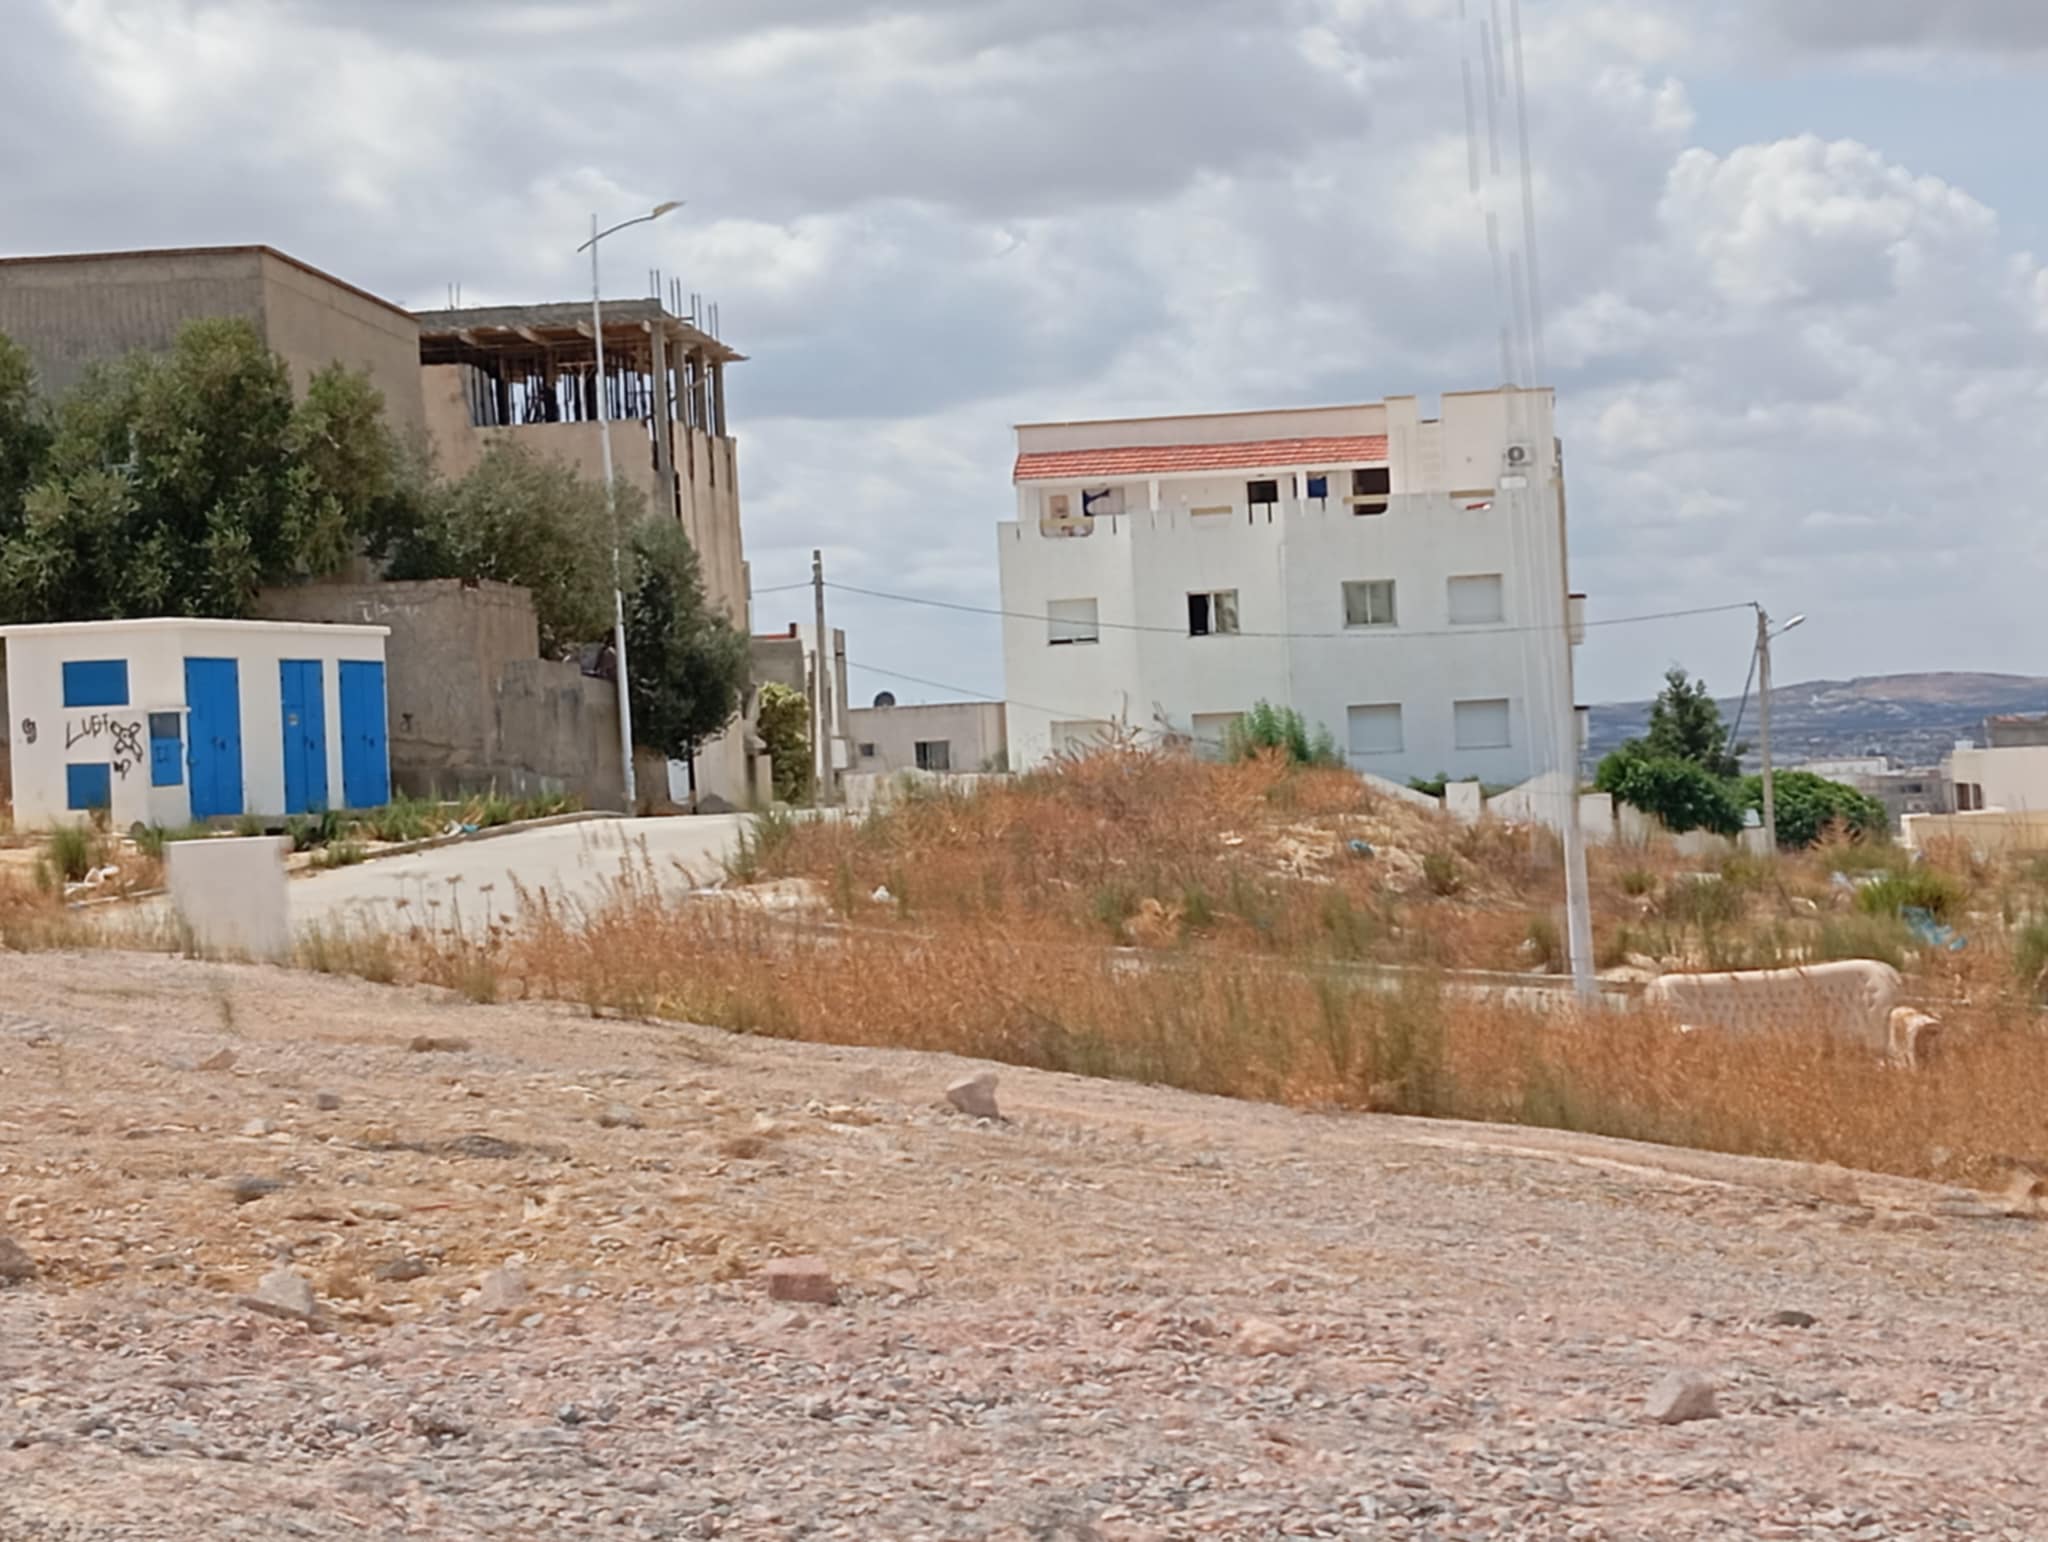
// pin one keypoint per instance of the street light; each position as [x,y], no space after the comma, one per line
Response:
[611,497]
[1765,635]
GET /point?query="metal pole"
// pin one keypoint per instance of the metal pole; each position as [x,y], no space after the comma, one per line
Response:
[1763,701]
[822,748]
[611,503]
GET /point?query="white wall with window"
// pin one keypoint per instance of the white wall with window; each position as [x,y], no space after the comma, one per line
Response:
[1383,582]
[935,736]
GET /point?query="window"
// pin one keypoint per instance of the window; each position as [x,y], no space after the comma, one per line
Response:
[1376,729]
[1370,486]
[1318,488]
[1969,797]
[1212,614]
[96,683]
[1476,600]
[1266,492]
[935,754]
[1071,621]
[1480,725]
[1369,602]
[89,789]
[1212,733]
[867,752]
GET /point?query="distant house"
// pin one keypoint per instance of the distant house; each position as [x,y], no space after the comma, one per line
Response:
[1399,580]
[933,736]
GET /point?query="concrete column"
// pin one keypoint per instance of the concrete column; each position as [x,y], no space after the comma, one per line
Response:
[666,500]
[718,398]
[1404,421]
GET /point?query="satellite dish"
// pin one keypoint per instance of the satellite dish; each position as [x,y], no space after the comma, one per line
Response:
[885,698]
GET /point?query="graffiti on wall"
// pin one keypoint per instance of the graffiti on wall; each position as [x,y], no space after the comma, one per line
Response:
[123,736]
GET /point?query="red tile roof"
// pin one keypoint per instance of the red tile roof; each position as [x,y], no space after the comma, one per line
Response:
[1164,459]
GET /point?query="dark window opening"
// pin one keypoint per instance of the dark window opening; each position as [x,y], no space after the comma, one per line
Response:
[1370,487]
[935,754]
[1212,614]
[1264,492]
[1318,487]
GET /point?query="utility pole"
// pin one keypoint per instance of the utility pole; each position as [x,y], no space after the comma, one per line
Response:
[1766,634]
[611,501]
[1763,701]
[821,748]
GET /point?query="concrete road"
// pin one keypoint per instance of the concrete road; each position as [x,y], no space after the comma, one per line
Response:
[570,862]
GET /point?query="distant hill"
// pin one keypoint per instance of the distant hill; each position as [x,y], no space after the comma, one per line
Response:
[1915,719]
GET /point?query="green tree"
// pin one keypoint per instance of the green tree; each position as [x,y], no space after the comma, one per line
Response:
[177,484]
[784,721]
[686,663]
[1683,794]
[24,432]
[518,518]
[1685,724]
[1809,805]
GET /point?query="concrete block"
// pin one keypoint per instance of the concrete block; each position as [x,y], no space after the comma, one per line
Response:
[230,894]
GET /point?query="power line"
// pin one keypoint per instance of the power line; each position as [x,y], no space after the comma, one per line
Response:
[1349,632]
[781,589]
[1057,713]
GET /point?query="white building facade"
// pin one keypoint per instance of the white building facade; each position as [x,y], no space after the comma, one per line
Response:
[168,722]
[1399,581]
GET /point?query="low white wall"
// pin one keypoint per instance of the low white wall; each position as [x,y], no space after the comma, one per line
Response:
[230,895]
[873,790]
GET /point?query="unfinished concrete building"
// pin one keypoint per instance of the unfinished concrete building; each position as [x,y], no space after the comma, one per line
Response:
[78,309]
[529,373]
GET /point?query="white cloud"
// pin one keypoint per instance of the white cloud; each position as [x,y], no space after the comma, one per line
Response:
[1794,367]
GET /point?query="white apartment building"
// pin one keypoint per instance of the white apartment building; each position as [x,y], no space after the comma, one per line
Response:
[1398,580]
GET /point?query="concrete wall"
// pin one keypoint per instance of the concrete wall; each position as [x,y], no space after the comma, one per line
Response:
[1990,832]
[314,322]
[75,311]
[972,730]
[867,790]
[1288,568]
[47,736]
[558,730]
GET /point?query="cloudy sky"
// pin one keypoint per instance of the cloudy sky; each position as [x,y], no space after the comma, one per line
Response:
[1792,301]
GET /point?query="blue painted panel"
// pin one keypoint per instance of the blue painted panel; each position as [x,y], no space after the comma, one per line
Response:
[213,756]
[89,787]
[365,756]
[302,701]
[96,683]
[166,750]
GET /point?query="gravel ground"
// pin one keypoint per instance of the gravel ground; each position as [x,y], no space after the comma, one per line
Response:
[538,1247]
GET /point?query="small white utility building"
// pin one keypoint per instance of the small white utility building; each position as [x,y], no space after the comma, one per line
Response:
[1399,580]
[167,722]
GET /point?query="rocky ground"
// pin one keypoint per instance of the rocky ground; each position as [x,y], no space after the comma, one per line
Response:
[303,1258]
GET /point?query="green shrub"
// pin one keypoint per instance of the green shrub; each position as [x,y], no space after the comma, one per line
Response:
[1883,938]
[250,824]
[1268,728]
[340,854]
[1548,946]
[761,840]
[1440,872]
[1682,794]
[72,851]
[489,810]
[1928,888]
[1810,807]
[1705,900]
[2030,957]
[403,819]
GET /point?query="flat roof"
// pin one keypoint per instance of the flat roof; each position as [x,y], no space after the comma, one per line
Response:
[1264,412]
[199,623]
[568,321]
[209,251]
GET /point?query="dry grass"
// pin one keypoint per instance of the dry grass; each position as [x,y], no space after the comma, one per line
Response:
[1283,934]
[1202,927]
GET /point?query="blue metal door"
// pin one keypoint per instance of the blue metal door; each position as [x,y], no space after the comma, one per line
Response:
[213,695]
[365,758]
[302,702]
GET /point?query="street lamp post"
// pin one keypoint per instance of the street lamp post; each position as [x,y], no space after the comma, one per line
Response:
[1765,634]
[611,496]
